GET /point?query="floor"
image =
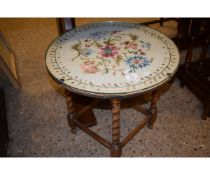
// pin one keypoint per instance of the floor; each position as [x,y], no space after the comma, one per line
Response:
[37,113]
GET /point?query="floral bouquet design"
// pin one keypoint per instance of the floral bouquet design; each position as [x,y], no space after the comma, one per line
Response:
[104,52]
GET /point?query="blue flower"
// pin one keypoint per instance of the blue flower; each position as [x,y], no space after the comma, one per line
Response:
[89,51]
[85,52]
[136,62]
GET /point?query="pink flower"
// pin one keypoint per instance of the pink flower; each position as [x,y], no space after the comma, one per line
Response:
[109,51]
[89,67]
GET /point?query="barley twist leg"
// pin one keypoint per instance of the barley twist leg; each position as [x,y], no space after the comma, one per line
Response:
[116,146]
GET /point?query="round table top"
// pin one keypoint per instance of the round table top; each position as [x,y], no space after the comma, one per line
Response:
[112,59]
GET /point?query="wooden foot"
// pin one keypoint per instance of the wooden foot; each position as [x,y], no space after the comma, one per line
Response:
[153,109]
[71,116]
[116,149]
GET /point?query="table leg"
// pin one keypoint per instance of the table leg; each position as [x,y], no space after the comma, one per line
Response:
[88,119]
[71,116]
[153,109]
[116,149]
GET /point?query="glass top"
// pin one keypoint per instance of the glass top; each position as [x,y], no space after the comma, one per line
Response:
[112,58]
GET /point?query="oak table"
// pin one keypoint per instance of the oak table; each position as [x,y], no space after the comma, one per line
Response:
[112,60]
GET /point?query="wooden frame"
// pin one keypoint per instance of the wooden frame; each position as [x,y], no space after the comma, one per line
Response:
[116,145]
[7,61]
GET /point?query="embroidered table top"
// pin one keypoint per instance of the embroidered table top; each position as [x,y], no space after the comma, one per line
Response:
[112,58]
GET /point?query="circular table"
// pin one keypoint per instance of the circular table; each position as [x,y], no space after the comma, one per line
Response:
[112,60]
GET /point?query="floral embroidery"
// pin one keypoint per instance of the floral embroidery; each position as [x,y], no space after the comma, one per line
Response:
[98,35]
[89,67]
[130,45]
[102,52]
[136,62]
[88,51]
[145,44]
[88,43]
[108,51]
